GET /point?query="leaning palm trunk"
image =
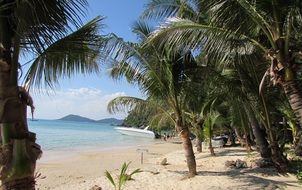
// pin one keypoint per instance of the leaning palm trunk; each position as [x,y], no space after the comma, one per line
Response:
[261,141]
[279,160]
[188,148]
[295,99]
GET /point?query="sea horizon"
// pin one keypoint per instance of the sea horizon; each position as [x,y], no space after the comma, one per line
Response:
[59,135]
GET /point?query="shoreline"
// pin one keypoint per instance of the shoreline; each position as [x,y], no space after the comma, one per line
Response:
[55,155]
[59,171]
[86,169]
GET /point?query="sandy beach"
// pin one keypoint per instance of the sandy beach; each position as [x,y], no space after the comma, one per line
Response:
[83,169]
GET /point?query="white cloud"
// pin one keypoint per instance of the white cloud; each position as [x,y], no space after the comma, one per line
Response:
[87,102]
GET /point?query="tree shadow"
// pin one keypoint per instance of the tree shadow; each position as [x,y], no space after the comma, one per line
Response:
[226,152]
[249,180]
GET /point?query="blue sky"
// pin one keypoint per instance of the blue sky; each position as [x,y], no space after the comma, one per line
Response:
[88,95]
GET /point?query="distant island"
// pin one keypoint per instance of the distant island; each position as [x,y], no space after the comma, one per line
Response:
[78,118]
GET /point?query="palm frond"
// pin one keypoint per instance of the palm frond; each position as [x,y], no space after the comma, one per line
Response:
[142,29]
[135,172]
[110,178]
[177,33]
[136,62]
[76,53]
[158,9]
[162,120]
[259,19]
[40,23]
[123,103]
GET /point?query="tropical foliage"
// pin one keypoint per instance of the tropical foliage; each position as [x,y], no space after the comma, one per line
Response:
[230,49]
[52,33]
[123,177]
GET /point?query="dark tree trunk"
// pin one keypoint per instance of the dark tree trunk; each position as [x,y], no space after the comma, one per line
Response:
[188,148]
[199,145]
[259,134]
[247,141]
[231,139]
[211,147]
[27,183]
[279,160]
[239,137]
[294,96]
[18,150]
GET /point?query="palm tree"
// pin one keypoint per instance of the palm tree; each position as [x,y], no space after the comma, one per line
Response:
[40,29]
[159,75]
[271,28]
[211,119]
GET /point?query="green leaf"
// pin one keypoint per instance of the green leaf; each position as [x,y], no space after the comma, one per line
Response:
[78,52]
[110,178]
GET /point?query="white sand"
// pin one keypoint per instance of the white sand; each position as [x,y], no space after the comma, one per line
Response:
[83,170]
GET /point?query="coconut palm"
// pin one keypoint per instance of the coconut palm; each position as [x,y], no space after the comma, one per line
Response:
[211,118]
[270,27]
[41,29]
[159,75]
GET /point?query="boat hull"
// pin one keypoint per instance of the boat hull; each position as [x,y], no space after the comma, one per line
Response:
[135,132]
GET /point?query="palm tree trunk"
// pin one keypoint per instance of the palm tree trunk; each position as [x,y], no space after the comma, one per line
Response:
[19,153]
[294,96]
[199,144]
[232,138]
[248,145]
[239,137]
[188,148]
[24,184]
[259,134]
[18,150]
[211,147]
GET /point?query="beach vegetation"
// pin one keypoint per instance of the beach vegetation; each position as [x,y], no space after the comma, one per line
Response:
[160,75]
[252,39]
[52,33]
[123,177]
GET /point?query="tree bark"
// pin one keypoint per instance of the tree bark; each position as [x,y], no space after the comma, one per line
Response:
[199,144]
[231,138]
[27,183]
[279,160]
[18,151]
[211,147]
[294,96]
[239,137]
[259,134]
[247,141]
[188,148]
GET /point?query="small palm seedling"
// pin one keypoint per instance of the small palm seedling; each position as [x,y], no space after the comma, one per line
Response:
[123,177]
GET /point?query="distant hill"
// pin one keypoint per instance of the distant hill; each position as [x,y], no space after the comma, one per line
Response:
[78,118]
[113,121]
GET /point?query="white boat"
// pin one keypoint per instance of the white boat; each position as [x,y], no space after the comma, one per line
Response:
[136,132]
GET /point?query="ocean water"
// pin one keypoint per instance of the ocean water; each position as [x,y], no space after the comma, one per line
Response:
[55,135]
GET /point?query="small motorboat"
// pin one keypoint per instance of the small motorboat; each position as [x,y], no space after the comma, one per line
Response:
[136,132]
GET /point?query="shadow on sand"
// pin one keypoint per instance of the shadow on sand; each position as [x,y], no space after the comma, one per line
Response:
[248,180]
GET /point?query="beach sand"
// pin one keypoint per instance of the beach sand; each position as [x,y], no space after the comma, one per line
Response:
[83,169]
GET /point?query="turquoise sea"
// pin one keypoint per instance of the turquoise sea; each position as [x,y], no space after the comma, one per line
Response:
[57,135]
